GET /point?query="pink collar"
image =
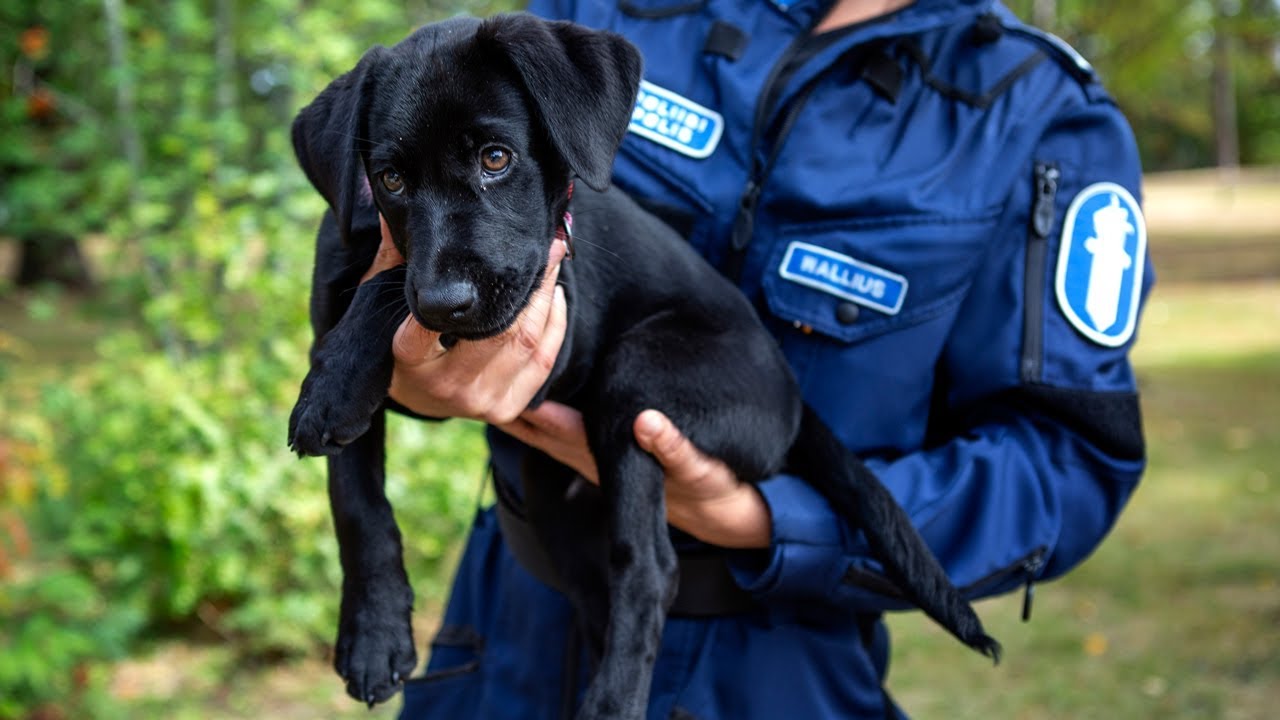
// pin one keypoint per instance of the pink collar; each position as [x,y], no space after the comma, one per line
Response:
[565,232]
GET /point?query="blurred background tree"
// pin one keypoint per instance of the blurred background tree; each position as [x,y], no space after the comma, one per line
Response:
[124,118]
[144,482]
[1199,81]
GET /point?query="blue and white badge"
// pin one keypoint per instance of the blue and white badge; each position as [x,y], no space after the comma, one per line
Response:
[675,122]
[844,277]
[1100,264]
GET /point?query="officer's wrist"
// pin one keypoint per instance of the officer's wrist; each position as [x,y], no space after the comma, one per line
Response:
[737,520]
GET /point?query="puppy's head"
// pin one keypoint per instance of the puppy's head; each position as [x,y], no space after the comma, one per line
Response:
[465,137]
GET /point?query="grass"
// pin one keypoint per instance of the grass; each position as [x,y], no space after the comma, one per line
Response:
[1178,614]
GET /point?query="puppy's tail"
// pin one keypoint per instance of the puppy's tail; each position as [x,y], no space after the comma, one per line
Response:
[858,495]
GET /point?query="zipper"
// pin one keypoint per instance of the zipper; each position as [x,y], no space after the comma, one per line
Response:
[744,220]
[743,225]
[1042,211]
[1043,215]
[1031,570]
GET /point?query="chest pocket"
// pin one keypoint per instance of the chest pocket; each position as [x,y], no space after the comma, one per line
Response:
[853,280]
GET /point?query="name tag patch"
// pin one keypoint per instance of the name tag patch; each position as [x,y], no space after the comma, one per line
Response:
[844,277]
[675,122]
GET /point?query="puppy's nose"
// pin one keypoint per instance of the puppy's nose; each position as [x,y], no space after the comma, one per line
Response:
[446,302]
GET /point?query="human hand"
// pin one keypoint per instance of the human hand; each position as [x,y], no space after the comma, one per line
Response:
[492,379]
[704,498]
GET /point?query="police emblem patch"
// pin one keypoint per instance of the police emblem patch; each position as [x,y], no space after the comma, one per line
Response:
[1100,263]
[844,277]
[675,122]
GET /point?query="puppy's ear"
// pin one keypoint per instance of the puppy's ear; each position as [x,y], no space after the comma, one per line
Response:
[583,83]
[329,137]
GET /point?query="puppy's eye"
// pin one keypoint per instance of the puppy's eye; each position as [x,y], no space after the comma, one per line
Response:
[392,181]
[495,159]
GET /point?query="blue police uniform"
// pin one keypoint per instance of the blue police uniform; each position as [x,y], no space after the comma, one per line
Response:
[935,212]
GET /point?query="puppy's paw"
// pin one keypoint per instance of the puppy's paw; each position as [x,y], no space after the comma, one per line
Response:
[318,428]
[329,416]
[374,653]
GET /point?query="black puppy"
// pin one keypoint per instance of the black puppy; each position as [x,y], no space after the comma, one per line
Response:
[466,137]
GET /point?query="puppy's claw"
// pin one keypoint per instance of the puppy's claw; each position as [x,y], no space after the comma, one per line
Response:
[316,429]
[311,435]
[374,651]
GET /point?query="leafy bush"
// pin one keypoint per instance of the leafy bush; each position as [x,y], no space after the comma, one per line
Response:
[183,503]
[156,486]
[54,618]
[151,489]
[167,499]
[154,483]
[168,484]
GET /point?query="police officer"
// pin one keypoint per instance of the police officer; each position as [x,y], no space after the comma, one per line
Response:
[934,208]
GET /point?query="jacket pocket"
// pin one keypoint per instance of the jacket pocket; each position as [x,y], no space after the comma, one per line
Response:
[853,280]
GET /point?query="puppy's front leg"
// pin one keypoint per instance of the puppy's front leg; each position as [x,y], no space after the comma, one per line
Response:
[642,579]
[339,413]
[374,650]
[350,369]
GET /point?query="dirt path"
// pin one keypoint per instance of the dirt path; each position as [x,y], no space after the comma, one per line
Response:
[1207,225]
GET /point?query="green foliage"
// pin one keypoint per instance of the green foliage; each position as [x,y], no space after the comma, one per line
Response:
[182,503]
[152,485]
[56,620]
[56,625]
[1157,60]
[166,499]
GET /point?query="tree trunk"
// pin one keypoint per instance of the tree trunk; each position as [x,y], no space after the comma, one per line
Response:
[1226,131]
[52,257]
[225,101]
[126,95]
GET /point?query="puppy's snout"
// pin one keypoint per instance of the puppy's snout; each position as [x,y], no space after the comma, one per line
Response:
[445,303]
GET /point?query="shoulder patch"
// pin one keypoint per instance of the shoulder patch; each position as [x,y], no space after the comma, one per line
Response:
[675,122]
[1101,262]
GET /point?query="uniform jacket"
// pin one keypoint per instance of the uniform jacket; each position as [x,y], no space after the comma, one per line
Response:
[936,214]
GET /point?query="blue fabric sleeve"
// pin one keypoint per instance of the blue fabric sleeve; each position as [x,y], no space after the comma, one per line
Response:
[1006,503]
